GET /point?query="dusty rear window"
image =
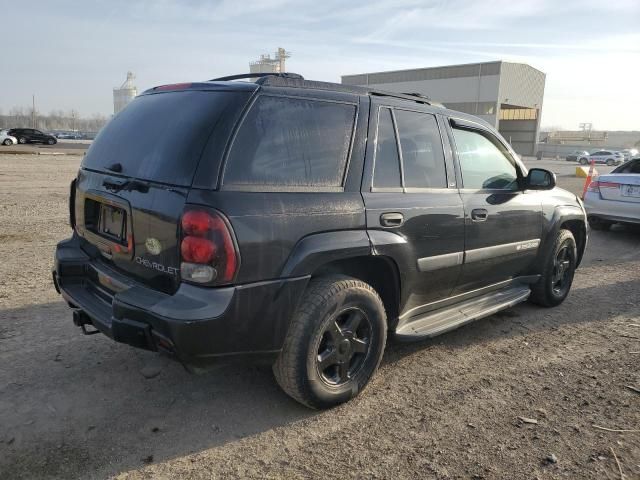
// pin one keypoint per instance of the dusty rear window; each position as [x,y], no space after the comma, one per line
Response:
[160,137]
[291,142]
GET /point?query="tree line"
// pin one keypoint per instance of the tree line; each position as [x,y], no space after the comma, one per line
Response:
[20,117]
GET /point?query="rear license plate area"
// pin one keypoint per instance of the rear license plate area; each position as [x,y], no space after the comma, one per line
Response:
[631,190]
[106,220]
[111,222]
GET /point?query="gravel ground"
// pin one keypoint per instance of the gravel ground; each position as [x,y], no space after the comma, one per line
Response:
[82,407]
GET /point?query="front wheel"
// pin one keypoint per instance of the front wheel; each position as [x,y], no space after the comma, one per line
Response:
[583,161]
[610,162]
[334,344]
[558,270]
[7,142]
[22,140]
[51,141]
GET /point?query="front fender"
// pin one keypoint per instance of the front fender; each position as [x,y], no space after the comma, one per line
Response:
[553,221]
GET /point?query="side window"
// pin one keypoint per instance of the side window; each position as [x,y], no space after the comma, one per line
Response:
[631,167]
[386,172]
[291,142]
[483,163]
[422,153]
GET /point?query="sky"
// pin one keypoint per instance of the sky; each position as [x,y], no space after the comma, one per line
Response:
[70,54]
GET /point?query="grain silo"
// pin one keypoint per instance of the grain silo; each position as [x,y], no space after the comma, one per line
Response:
[124,94]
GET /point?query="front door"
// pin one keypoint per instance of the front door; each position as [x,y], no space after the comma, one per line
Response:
[409,197]
[503,223]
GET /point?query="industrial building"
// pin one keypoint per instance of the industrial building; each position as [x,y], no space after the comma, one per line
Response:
[507,95]
[123,95]
[266,64]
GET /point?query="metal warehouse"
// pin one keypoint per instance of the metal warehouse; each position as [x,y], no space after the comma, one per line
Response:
[507,95]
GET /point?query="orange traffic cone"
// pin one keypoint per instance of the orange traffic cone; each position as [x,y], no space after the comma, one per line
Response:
[589,178]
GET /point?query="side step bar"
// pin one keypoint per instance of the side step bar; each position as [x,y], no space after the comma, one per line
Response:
[446,319]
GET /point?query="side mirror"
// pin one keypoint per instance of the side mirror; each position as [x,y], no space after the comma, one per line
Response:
[540,179]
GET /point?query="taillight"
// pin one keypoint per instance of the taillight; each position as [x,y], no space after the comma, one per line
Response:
[207,247]
[596,185]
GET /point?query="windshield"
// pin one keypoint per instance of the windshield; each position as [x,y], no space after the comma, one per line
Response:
[159,137]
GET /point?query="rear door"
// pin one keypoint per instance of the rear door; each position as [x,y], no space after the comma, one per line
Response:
[410,191]
[135,178]
[503,224]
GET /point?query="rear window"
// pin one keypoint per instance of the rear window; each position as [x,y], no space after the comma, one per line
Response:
[291,142]
[160,137]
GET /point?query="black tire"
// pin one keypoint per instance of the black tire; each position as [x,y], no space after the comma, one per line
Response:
[51,141]
[22,140]
[559,268]
[597,223]
[321,328]
[583,161]
[7,142]
[610,162]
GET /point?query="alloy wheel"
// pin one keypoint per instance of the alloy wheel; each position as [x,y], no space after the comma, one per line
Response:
[562,270]
[344,346]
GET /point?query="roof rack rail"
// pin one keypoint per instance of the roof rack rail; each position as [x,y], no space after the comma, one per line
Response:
[257,75]
[416,94]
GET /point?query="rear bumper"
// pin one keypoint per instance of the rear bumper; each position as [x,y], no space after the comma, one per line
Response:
[612,210]
[194,324]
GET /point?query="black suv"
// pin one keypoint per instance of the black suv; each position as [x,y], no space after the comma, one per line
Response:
[31,135]
[304,221]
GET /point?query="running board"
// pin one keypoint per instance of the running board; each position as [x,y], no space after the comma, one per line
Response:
[446,319]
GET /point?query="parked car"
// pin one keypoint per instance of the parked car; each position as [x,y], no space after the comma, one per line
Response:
[6,139]
[31,135]
[606,157]
[313,220]
[69,136]
[614,198]
[629,153]
[577,155]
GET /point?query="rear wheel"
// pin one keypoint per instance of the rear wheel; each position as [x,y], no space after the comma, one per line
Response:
[334,344]
[22,140]
[559,268]
[583,161]
[598,224]
[610,162]
[7,142]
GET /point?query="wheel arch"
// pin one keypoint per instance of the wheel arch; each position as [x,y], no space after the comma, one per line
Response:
[572,218]
[380,272]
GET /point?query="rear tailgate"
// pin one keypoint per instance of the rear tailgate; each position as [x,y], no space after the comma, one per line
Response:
[133,184]
[621,187]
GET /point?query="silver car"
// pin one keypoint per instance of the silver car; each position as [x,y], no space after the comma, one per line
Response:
[607,157]
[615,198]
[6,139]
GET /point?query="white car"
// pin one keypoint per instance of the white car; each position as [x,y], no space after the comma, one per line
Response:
[629,153]
[614,198]
[6,139]
[607,157]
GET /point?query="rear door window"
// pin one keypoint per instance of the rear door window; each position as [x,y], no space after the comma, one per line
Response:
[160,137]
[291,142]
[422,152]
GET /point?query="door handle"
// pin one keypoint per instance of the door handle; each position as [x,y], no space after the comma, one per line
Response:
[479,214]
[391,219]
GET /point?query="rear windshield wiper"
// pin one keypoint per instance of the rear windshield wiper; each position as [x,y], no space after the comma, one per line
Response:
[117,185]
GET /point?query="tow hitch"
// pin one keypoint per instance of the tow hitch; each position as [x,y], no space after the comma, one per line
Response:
[80,319]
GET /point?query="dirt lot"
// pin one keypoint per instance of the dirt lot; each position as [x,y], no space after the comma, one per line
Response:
[73,406]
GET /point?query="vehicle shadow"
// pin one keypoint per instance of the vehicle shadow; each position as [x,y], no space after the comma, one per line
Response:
[82,406]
